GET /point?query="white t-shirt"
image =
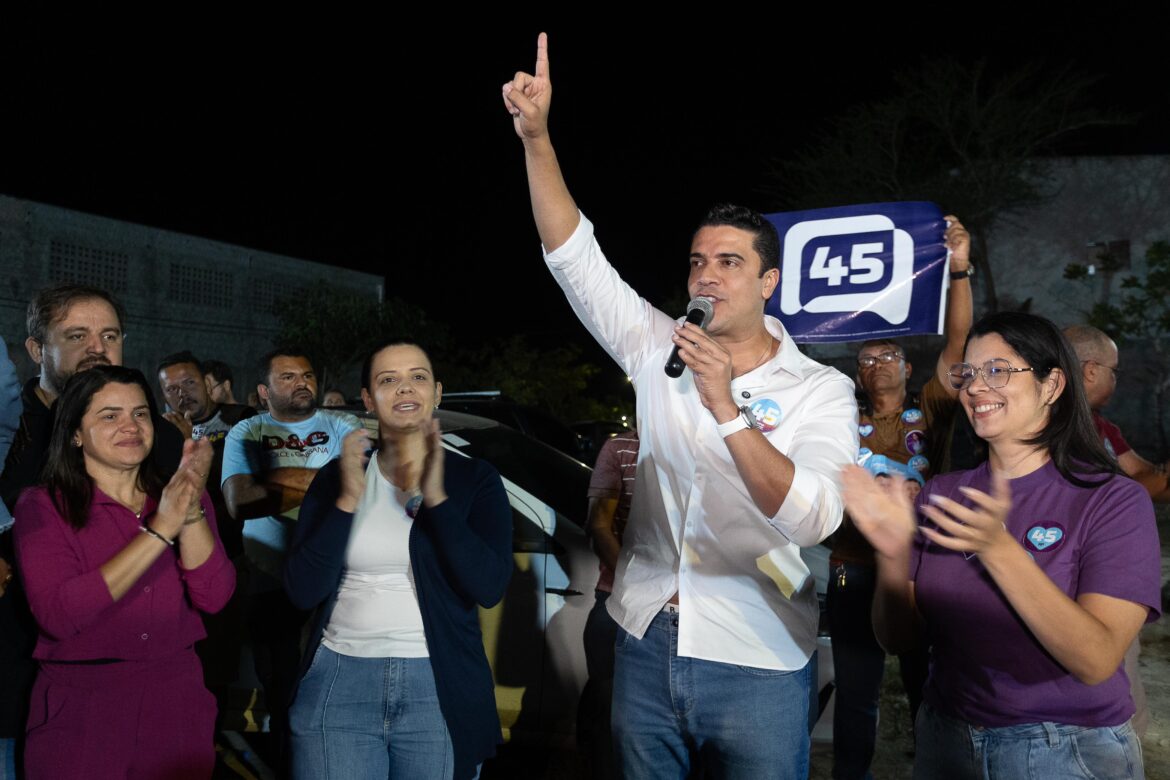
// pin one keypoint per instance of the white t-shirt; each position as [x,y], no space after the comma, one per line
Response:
[377,615]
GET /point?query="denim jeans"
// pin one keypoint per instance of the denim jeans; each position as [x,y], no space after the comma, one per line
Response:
[953,749]
[369,718]
[7,758]
[744,722]
[858,664]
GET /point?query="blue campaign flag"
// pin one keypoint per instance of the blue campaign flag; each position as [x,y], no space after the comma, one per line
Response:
[861,272]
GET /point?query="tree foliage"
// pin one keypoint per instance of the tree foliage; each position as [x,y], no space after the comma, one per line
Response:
[338,326]
[1141,315]
[955,134]
[555,379]
[1143,312]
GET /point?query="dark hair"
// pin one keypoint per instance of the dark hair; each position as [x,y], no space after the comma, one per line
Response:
[265,362]
[217,368]
[50,305]
[179,358]
[69,485]
[1070,437]
[368,363]
[766,241]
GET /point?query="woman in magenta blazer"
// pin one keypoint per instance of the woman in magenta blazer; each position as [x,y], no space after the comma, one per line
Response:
[116,562]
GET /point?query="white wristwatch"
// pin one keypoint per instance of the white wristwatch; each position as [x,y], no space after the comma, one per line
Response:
[745,419]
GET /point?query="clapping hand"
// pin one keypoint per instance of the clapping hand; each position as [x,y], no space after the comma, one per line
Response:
[881,510]
[179,504]
[976,530]
[355,457]
[431,482]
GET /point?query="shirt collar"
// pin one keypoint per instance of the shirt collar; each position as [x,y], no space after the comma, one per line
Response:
[789,357]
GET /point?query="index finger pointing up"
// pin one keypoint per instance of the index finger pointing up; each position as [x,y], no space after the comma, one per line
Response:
[542,56]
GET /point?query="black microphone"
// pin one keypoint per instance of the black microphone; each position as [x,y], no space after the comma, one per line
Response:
[699,312]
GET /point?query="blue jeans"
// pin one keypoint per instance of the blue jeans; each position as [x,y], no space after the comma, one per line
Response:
[7,758]
[953,749]
[858,664]
[369,718]
[744,722]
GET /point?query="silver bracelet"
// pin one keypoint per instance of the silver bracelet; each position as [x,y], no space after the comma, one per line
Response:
[157,535]
[202,516]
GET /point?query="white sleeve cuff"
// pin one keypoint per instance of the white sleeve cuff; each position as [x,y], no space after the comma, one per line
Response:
[812,509]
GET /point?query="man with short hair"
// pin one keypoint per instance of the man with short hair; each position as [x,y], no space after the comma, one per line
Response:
[738,467]
[196,415]
[1099,366]
[903,429]
[71,328]
[219,381]
[269,461]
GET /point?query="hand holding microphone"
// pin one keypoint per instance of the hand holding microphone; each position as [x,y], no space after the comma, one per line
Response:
[699,313]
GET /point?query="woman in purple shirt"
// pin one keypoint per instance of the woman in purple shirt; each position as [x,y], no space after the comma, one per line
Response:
[115,563]
[1033,575]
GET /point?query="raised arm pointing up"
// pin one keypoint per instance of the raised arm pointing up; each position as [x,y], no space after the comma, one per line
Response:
[527,99]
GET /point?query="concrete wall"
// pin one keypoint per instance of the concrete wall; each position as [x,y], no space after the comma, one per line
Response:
[180,292]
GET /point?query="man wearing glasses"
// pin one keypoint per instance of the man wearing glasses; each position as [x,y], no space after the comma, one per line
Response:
[1099,369]
[908,429]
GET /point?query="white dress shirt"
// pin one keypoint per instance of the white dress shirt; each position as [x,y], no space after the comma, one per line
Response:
[745,595]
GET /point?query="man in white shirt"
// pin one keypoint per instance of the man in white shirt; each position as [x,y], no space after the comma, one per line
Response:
[738,468]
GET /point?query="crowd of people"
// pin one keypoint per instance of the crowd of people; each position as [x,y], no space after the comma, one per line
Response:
[144,548]
[986,530]
[999,581]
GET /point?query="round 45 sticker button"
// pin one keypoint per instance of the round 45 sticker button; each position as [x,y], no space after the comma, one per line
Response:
[767,414]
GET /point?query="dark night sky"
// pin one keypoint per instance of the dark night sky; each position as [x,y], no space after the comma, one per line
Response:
[389,150]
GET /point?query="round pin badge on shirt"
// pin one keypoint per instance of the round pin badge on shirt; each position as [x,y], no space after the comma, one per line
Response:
[865,429]
[767,414]
[915,442]
[1044,538]
[912,416]
[920,464]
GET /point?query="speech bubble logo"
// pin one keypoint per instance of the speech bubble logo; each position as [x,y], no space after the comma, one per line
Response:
[862,265]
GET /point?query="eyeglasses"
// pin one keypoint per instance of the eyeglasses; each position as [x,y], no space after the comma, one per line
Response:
[995,373]
[869,361]
[1114,369]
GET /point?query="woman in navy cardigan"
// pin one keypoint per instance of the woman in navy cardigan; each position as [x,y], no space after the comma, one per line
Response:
[398,549]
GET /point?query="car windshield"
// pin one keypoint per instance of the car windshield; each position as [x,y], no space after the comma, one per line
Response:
[546,473]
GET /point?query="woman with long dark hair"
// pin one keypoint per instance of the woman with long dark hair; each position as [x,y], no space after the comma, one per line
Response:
[399,548]
[1030,576]
[115,562]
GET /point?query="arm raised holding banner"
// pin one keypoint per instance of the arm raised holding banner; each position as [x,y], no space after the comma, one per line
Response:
[960,307]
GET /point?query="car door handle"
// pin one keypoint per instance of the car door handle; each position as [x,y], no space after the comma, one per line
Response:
[564,591]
